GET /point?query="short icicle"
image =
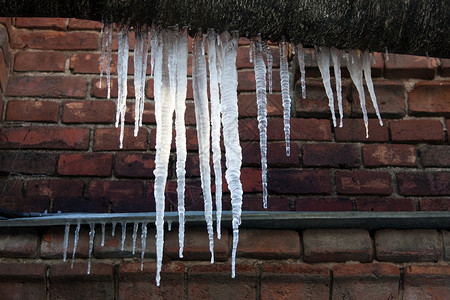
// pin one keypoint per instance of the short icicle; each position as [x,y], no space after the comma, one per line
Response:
[285,95]
[140,68]
[91,245]
[337,75]
[122,72]
[323,61]
[113,228]
[143,242]
[134,236]
[368,76]
[301,63]
[66,241]
[269,59]
[75,242]
[109,35]
[124,234]
[199,87]
[103,234]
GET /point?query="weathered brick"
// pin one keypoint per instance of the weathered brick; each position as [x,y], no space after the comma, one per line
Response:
[246,81]
[108,139]
[47,86]
[430,98]
[66,282]
[85,164]
[424,183]
[192,166]
[331,155]
[137,284]
[435,156]
[248,108]
[22,281]
[243,57]
[433,204]
[34,111]
[23,162]
[148,115]
[294,281]
[40,61]
[196,245]
[384,204]
[88,112]
[299,181]
[326,245]
[365,281]
[52,244]
[363,182]
[18,242]
[13,198]
[102,92]
[134,165]
[191,139]
[353,130]
[408,245]
[53,40]
[268,244]
[323,204]
[446,242]
[417,131]
[41,23]
[409,66]
[44,138]
[274,203]
[426,282]
[3,71]
[445,67]
[389,155]
[83,24]
[212,281]
[89,63]
[115,192]
[252,182]
[193,195]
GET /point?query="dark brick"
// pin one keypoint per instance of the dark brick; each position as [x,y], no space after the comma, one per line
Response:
[13,198]
[108,139]
[435,156]
[115,192]
[363,182]
[47,86]
[148,116]
[331,155]
[248,108]
[389,155]
[246,81]
[417,131]
[85,164]
[445,67]
[18,242]
[23,162]
[323,204]
[424,183]
[299,181]
[446,242]
[268,244]
[52,244]
[22,281]
[255,203]
[354,131]
[433,204]
[88,112]
[34,111]
[430,98]
[48,61]
[384,204]
[135,165]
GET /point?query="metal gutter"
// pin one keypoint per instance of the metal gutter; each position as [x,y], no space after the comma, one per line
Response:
[253,219]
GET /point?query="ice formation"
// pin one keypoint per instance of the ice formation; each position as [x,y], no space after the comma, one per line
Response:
[337,75]
[122,71]
[301,64]
[323,61]
[285,95]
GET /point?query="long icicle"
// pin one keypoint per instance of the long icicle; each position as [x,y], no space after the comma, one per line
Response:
[285,95]
[215,125]
[122,72]
[323,61]
[140,68]
[337,75]
[75,242]
[109,35]
[368,76]
[301,63]
[91,245]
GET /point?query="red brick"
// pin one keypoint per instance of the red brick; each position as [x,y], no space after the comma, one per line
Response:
[294,281]
[430,98]
[384,204]
[47,86]
[115,192]
[248,108]
[113,244]
[365,281]
[193,166]
[424,183]
[408,66]
[433,204]
[389,155]
[89,63]
[426,282]
[268,244]
[276,155]
[417,131]
[331,155]
[53,40]
[83,24]
[134,165]
[85,164]
[148,115]
[390,97]
[74,283]
[323,204]
[408,245]
[102,92]
[193,195]
[149,90]
[445,67]
[243,57]
[196,245]
[24,162]
[41,23]
[327,245]
[299,181]
[18,242]
[3,71]
[13,198]
[1,107]
[108,139]
[52,244]
[22,281]
[40,61]
[435,156]
[354,131]
[363,182]
[89,112]
[44,137]
[246,81]
[255,203]
[191,139]
[212,281]
[34,111]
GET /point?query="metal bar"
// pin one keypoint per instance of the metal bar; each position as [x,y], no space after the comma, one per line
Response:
[279,220]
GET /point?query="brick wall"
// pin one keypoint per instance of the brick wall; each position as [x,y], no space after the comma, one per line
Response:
[59,151]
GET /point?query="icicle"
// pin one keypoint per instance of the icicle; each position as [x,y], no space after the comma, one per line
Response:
[250,53]
[199,87]
[180,129]
[285,95]
[135,229]
[387,54]
[233,153]
[323,61]
[103,50]
[113,228]
[75,242]
[215,125]
[109,34]
[66,241]
[368,76]
[91,245]
[301,63]
[374,60]
[140,68]
[261,100]
[122,70]
[337,76]
[103,234]
[269,59]
[124,234]
[154,45]
[354,66]
[143,242]
[169,225]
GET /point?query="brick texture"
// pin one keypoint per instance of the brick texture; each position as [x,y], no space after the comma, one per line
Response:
[88,112]
[435,156]
[330,155]
[34,111]
[389,155]
[430,98]
[408,66]
[427,282]
[417,131]
[52,244]
[424,183]
[363,182]
[47,86]
[86,164]
[22,281]
[18,242]
[51,40]
[40,61]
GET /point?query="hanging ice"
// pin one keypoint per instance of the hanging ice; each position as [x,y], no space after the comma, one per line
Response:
[269,59]
[337,75]
[285,95]
[368,77]
[75,242]
[134,236]
[323,61]
[301,63]
[66,241]
[124,234]
[103,234]
[199,87]
[215,125]
[113,228]
[228,88]
[143,242]
[108,34]
[122,71]
[91,245]
[140,68]
[261,100]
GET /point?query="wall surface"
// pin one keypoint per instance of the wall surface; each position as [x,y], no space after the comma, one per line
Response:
[59,151]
